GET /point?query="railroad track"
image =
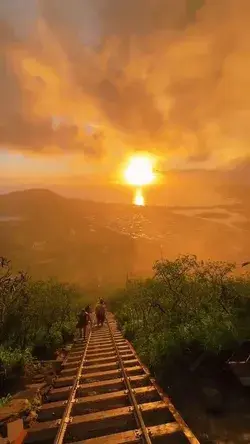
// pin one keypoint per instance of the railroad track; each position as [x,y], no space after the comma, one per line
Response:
[104,395]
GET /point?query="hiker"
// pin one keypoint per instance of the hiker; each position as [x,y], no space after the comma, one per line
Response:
[83,320]
[100,312]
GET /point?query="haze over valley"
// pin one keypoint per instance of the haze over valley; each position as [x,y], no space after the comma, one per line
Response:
[94,243]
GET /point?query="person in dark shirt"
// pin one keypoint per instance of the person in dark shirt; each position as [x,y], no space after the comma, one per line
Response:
[83,321]
[100,312]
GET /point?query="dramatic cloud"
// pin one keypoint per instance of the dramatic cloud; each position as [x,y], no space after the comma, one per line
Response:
[108,76]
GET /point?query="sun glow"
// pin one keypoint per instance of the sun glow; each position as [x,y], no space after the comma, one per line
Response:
[139,198]
[139,171]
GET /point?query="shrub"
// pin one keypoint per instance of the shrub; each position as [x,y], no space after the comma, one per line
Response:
[12,359]
[188,304]
[34,313]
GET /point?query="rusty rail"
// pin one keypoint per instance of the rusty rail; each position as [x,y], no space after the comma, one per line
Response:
[105,394]
[66,416]
[143,431]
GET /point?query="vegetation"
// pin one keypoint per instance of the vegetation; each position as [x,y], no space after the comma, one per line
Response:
[5,400]
[34,316]
[188,306]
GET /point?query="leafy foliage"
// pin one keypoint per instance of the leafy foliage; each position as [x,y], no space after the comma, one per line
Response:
[12,358]
[33,314]
[5,400]
[187,304]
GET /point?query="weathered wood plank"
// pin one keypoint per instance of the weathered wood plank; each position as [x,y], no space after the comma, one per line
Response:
[117,383]
[132,437]
[116,413]
[53,410]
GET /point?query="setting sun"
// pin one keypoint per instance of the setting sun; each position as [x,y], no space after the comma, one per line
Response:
[139,171]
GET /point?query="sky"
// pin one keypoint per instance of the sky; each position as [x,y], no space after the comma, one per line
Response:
[86,83]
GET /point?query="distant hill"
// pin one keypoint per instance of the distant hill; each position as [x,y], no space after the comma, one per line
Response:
[52,236]
[88,242]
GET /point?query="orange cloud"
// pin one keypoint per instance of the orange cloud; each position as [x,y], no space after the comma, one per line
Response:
[160,75]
